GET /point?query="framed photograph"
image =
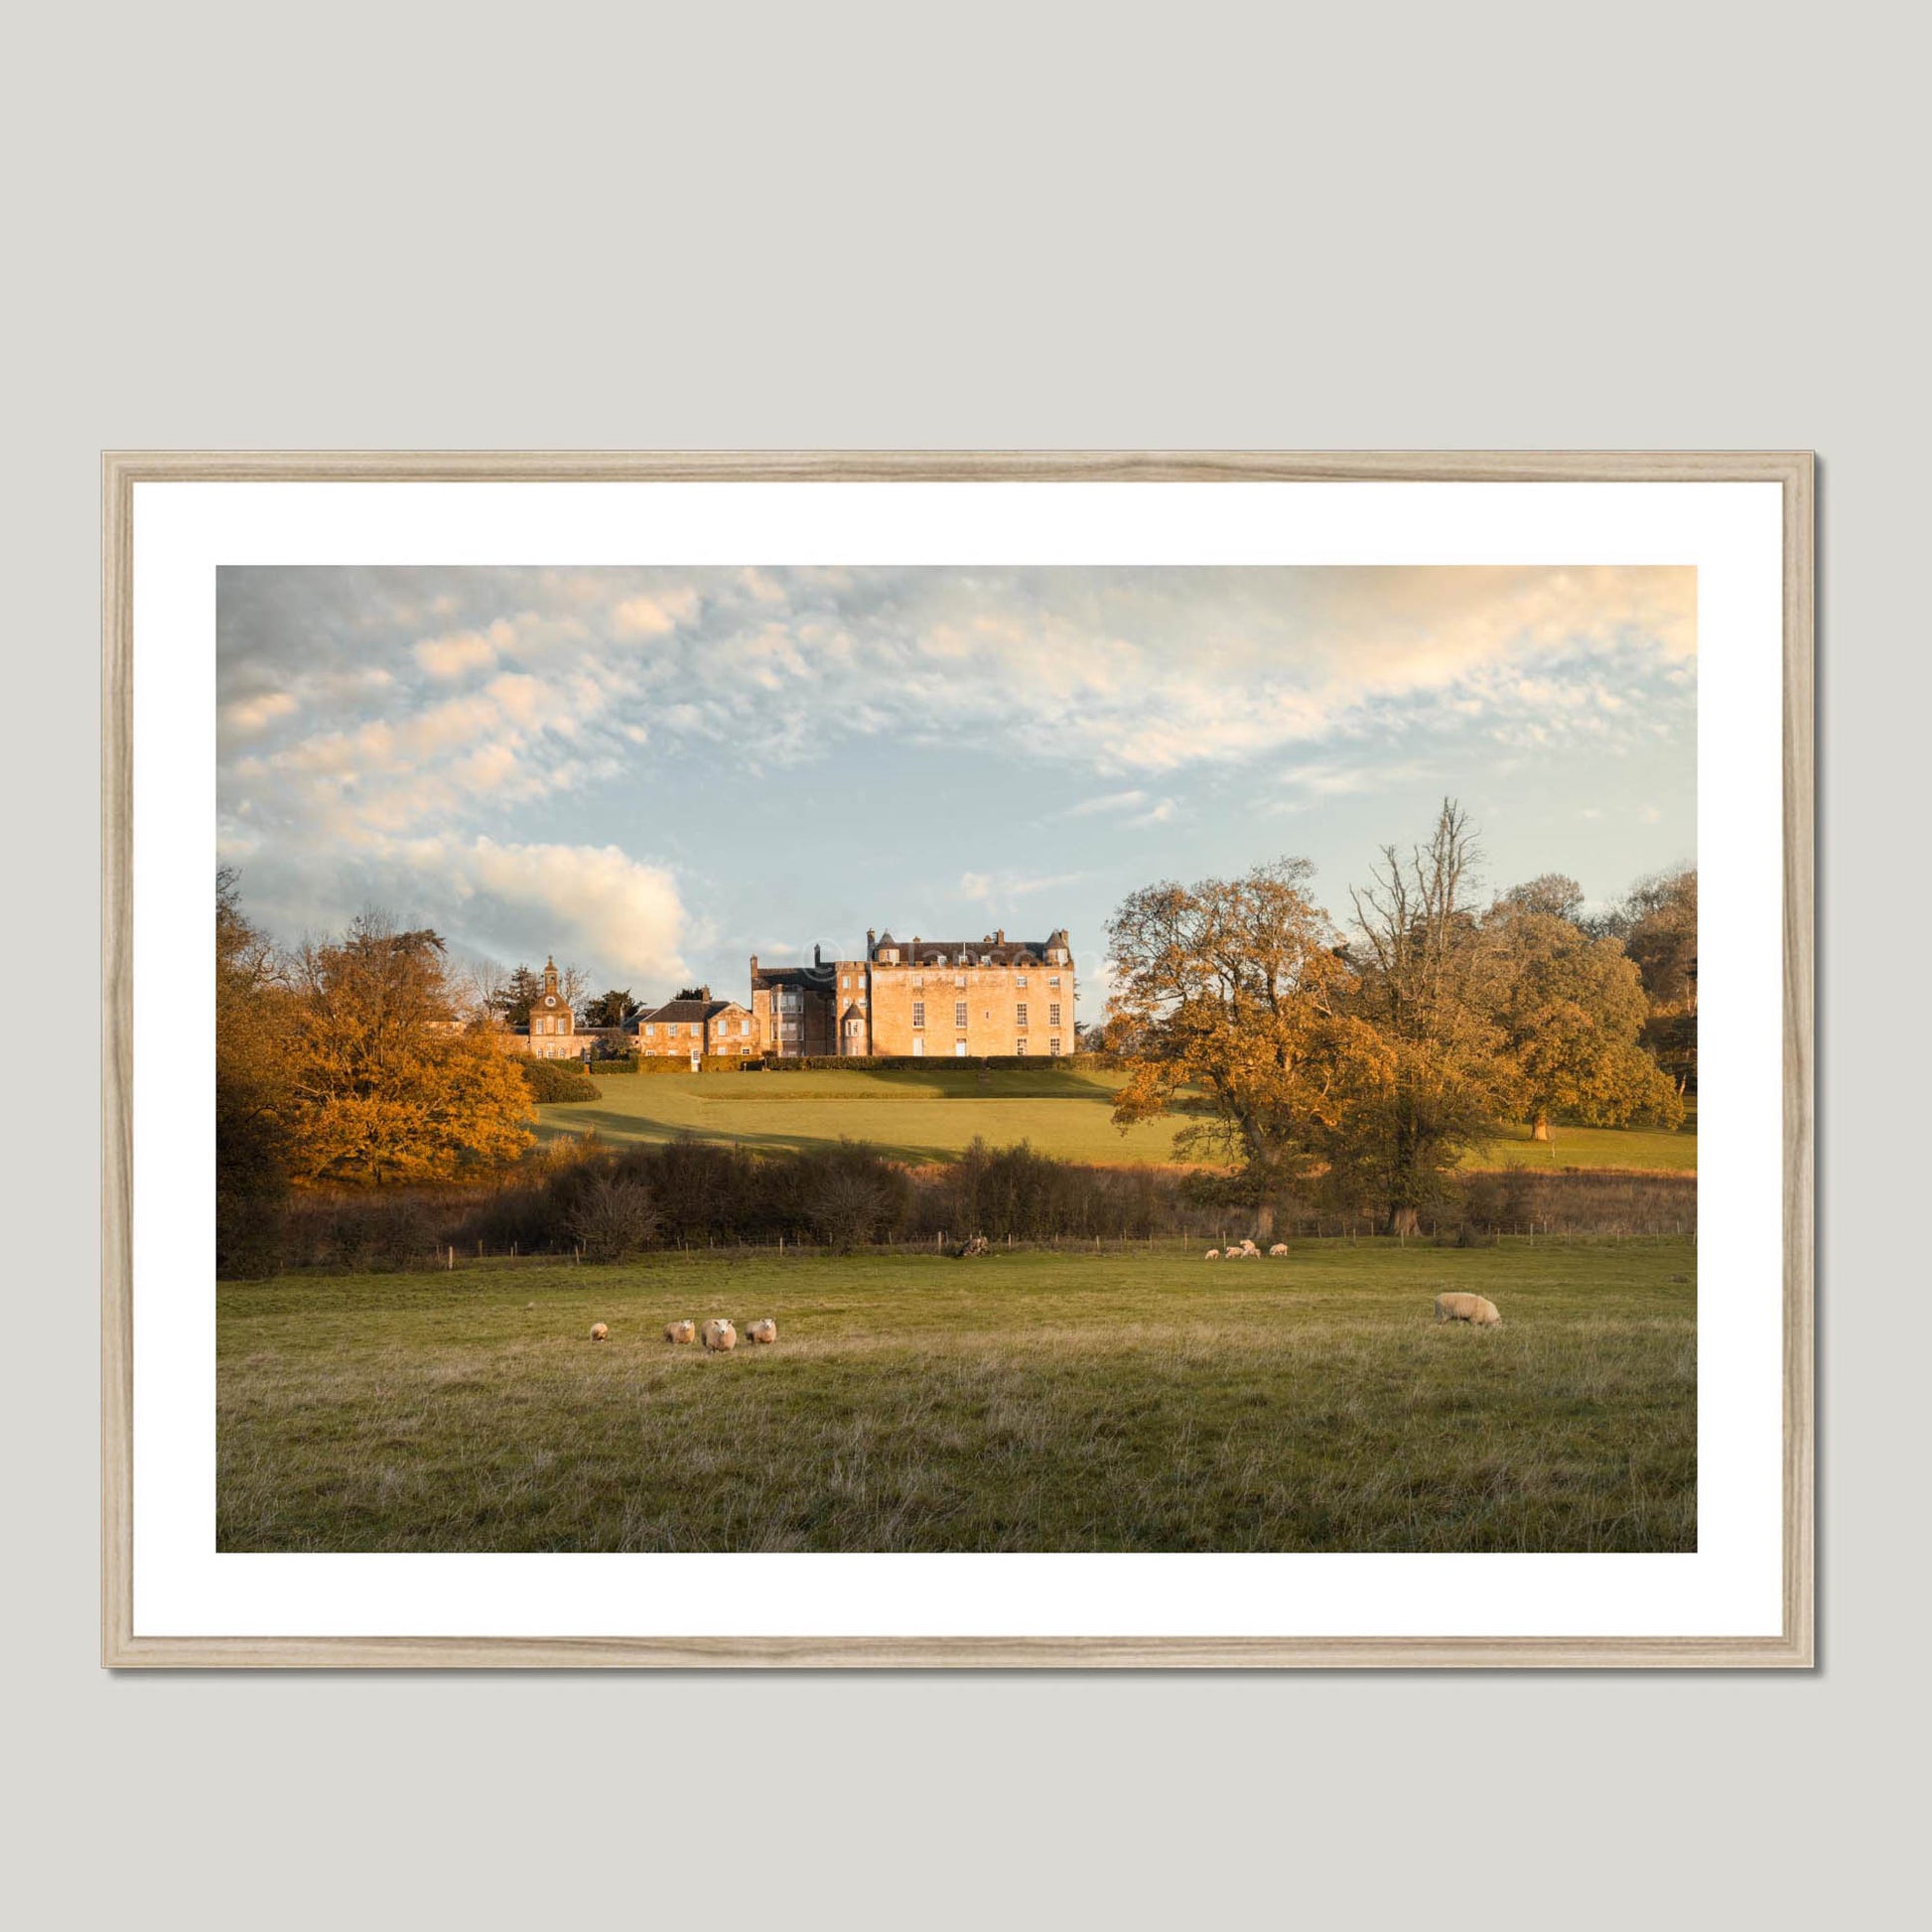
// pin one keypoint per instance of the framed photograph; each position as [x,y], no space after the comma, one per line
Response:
[970,1061]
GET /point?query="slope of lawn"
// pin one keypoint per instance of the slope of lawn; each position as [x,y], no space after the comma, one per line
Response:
[933,1115]
[1029,1400]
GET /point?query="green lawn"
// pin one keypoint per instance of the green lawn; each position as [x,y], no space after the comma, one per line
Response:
[1026,1401]
[933,1115]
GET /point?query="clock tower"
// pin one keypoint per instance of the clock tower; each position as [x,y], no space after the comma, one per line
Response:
[550,1013]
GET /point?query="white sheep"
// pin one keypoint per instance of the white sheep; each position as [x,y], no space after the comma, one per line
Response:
[1213,1254]
[719,1333]
[1278,1250]
[1459,1307]
[681,1331]
[765,1330]
[599,1332]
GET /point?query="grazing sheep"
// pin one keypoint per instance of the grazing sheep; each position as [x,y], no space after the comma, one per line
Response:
[599,1332]
[1213,1254]
[1248,1247]
[1459,1307]
[766,1331]
[1278,1250]
[720,1333]
[681,1331]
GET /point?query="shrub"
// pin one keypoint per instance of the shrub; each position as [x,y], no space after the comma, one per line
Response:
[552,1080]
[378,1231]
[613,1219]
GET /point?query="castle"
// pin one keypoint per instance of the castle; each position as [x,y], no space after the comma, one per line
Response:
[950,999]
[925,998]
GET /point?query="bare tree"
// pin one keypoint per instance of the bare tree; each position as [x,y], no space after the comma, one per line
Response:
[1429,986]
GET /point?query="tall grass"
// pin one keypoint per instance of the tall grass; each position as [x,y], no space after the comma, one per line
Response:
[1026,1401]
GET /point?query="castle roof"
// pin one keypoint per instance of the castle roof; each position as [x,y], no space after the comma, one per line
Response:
[993,949]
[821,975]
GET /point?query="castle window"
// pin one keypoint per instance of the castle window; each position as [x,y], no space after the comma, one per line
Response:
[1020,1045]
[650,1031]
[1053,979]
[959,1015]
[1020,1013]
[1053,1046]
[918,1012]
[1019,979]
[1054,1013]
[959,979]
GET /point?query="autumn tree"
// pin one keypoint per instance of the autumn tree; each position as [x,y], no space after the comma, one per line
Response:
[1573,1016]
[387,1085]
[1552,893]
[1657,923]
[252,1094]
[1226,1005]
[1429,986]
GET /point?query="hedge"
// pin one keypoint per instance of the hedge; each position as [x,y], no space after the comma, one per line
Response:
[553,1081]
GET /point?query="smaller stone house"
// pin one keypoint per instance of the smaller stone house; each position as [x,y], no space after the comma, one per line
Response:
[690,1028]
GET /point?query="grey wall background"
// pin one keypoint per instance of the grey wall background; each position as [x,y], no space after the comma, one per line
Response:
[1479,227]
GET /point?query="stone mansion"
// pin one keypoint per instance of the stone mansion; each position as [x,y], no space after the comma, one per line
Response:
[922,998]
[940,999]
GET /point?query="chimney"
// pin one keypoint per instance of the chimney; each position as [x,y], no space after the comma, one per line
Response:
[1000,934]
[815,958]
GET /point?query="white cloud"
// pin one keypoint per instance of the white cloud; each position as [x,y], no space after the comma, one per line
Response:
[654,615]
[986,887]
[511,900]
[246,716]
[459,652]
[1107,801]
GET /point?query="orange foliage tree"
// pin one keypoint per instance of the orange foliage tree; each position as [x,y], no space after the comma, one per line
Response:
[387,1085]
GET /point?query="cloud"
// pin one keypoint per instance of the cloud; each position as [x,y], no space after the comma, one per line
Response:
[508,901]
[247,716]
[648,616]
[598,900]
[1108,801]
[458,713]
[986,887]
[458,654]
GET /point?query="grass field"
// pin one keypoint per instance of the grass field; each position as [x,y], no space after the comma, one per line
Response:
[933,1116]
[1026,1401]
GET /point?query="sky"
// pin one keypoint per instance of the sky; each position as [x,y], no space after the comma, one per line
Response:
[653,773]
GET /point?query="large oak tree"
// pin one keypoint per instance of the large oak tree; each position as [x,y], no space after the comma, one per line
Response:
[387,1085]
[1228,1002]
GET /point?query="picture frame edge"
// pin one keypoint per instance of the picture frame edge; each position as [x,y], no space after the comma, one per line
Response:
[123,469]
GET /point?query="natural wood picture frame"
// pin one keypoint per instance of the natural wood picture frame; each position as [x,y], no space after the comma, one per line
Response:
[123,1647]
